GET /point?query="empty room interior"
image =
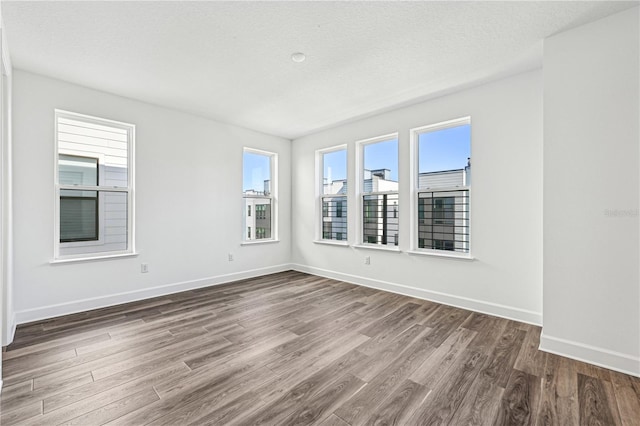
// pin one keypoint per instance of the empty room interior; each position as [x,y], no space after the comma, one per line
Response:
[327,213]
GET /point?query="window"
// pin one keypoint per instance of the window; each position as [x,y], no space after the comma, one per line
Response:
[333,193]
[379,190]
[442,182]
[94,181]
[258,191]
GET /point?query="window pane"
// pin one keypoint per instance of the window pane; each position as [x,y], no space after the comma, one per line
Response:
[256,174]
[78,216]
[443,220]
[334,177]
[75,170]
[334,218]
[445,158]
[260,220]
[93,221]
[85,139]
[381,166]
[380,219]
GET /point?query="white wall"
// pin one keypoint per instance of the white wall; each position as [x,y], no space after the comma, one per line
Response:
[591,193]
[188,194]
[506,218]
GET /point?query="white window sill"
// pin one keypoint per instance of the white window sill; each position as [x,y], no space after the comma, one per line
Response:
[377,247]
[439,254]
[91,258]
[332,243]
[257,242]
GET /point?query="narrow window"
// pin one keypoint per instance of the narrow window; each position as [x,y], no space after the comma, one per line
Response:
[333,193]
[94,183]
[379,190]
[442,186]
[258,192]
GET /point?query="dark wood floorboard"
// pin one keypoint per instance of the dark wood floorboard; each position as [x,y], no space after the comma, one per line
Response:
[297,349]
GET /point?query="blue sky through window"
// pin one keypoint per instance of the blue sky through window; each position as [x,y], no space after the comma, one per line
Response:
[256,168]
[446,149]
[382,155]
[335,165]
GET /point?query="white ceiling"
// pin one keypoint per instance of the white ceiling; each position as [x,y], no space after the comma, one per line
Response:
[231,61]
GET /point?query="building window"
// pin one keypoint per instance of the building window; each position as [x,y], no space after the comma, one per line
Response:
[259,193]
[333,193]
[442,183]
[378,173]
[94,182]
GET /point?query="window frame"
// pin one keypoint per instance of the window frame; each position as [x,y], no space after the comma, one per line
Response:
[360,194]
[273,197]
[101,189]
[414,155]
[320,196]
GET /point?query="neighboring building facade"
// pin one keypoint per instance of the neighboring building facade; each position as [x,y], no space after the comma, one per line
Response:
[334,210]
[442,202]
[257,213]
[443,210]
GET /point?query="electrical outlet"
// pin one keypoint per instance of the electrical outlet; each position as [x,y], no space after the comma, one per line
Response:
[367,260]
[230,257]
[144,268]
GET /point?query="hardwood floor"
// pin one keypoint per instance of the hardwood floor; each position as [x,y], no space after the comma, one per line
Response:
[292,348]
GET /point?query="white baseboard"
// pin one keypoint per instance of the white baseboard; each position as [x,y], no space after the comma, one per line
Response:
[11,330]
[601,357]
[484,307]
[51,311]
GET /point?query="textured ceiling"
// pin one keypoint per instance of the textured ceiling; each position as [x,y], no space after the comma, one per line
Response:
[230,61]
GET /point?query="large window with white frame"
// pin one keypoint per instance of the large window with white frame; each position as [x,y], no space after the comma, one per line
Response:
[332,167]
[94,186]
[378,190]
[259,194]
[441,186]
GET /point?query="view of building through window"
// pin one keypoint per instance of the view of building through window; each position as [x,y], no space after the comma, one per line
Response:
[257,194]
[334,195]
[380,193]
[443,181]
[93,185]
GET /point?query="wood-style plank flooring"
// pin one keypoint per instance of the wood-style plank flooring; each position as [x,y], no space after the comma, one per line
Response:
[293,348]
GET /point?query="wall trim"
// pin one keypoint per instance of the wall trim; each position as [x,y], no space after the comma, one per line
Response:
[601,357]
[11,331]
[46,312]
[503,311]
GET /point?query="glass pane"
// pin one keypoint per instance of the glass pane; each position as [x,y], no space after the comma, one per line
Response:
[74,170]
[445,158]
[256,174]
[260,220]
[85,139]
[78,216]
[334,218]
[443,220]
[93,222]
[381,166]
[380,219]
[334,174]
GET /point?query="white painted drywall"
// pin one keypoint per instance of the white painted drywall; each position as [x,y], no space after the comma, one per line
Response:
[188,200]
[591,193]
[506,214]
